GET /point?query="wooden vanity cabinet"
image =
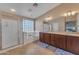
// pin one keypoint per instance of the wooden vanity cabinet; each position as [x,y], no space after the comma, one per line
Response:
[52,41]
[41,37]
[68,43]
[47,38]
[73,44]
[60,41]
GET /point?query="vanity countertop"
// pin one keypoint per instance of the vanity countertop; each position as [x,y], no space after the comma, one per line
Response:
[65,33]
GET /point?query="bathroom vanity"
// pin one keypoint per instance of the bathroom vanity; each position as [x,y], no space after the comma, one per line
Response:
[63,40]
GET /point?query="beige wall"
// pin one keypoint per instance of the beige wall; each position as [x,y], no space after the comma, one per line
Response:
[0,34]
[77,23]
[39,25]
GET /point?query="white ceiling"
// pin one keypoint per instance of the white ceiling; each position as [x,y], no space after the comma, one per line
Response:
[22,8]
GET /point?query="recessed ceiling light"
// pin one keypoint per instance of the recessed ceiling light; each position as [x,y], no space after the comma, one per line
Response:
[13,10]
[35,5]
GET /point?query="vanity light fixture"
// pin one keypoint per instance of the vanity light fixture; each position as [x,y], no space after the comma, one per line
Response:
[70,13]
[48,18]
[74,12]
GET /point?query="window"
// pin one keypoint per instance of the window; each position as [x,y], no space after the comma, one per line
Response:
[28,25]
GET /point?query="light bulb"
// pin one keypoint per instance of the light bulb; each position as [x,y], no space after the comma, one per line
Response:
[65,14]
[74,12]
[69,13]
[48,18]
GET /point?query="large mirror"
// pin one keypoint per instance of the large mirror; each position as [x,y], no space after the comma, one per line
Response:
[46,27]
[58,24]
[70,24]
[62,24]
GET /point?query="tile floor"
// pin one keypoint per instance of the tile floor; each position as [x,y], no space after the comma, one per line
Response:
[36,48]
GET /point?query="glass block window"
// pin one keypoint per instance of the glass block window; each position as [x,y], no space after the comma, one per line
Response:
[28,25]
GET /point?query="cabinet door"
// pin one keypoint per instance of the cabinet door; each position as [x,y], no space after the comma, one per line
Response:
[47,37]
[73,44]
[52,39]
[41,37]
[60,41]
